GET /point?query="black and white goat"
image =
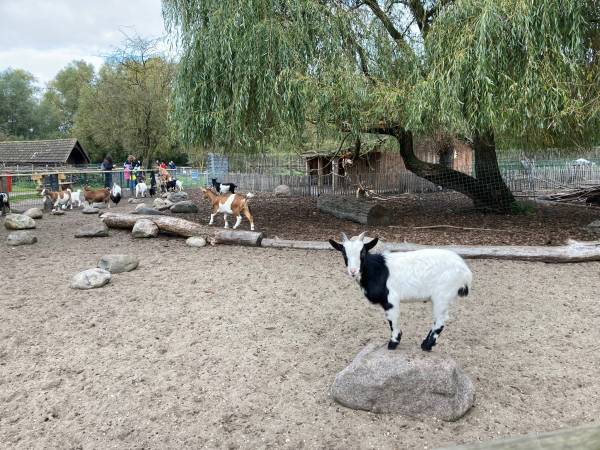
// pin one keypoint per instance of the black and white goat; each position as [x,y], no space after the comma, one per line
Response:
[388,279]
[223,188]
[115,194]
[4,203]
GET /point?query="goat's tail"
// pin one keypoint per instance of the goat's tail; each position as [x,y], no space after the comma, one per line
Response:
[464,290]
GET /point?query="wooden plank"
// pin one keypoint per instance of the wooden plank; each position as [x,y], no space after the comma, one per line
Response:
[581,438]
[285,243]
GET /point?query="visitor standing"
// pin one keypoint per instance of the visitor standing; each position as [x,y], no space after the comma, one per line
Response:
[107,167]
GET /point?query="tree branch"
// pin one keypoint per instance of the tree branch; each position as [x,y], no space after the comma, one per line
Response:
[385,20]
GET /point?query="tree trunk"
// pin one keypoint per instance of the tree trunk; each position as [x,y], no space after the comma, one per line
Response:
[488,190]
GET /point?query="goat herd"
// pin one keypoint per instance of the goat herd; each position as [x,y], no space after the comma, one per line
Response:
[386,279]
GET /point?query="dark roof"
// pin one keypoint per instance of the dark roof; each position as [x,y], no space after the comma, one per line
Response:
[51,151]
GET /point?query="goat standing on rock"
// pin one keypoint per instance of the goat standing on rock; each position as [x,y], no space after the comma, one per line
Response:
[388,279]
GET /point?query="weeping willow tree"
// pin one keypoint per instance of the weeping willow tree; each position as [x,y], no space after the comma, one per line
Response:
[523,72]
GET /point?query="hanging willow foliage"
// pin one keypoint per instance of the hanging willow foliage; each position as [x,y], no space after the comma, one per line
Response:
[256,71]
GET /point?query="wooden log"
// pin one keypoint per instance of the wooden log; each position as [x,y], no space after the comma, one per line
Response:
[306,245]
[235,237]
[180,227]
[581,438]
[357,210]
[573,252]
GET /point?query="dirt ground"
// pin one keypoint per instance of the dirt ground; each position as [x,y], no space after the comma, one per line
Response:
[231,347]
[299,218]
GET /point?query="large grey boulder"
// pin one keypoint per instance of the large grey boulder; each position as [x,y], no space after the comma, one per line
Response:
[18,222]
[90,210]
[147,211]
[21,237]
[593,227]
[34,213]
[118,263]
[161,204]
[282,190]
[196,241]
[91,278]
[184,206]
[409,382]
[92,230]
[176,197]
[144,228]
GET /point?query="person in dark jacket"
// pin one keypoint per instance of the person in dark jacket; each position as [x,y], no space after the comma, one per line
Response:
[107,167]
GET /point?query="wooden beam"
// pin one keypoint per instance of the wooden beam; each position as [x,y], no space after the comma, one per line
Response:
[581,438]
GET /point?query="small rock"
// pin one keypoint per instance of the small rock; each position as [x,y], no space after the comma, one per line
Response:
[135,201]
[147,211]
[21,238]
[412,383]
[140,206]
[101,205]
[34,213]
[161,204]
[18,222]
[118,263]
[92,230]
[176,197]
[91,278]
[196,241]
[58,212]
[90,210]
[594,227]
[282,190]
[144,228]
[184,206]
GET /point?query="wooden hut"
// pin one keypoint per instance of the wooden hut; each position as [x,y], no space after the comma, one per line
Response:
[50,152]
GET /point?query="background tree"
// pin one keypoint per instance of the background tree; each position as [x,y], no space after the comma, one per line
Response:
[125,111]
[18,104]
[490,71]
[64,92]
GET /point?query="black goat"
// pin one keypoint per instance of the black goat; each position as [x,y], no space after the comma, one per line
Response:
[222,188]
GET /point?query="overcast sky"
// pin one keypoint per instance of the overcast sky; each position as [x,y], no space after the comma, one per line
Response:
[42,36]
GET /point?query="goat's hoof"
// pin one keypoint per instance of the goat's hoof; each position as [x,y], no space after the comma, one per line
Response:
[427,345]
[392,345]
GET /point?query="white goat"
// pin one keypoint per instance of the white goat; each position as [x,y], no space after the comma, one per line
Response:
[390,278]
[141,189]
[76,199]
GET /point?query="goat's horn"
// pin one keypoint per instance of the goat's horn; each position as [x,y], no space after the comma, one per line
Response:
[361,236]
[344,237]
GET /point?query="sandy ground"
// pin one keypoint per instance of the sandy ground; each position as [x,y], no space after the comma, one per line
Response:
[229,347]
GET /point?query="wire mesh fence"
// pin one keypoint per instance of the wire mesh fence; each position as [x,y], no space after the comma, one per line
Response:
[264,175]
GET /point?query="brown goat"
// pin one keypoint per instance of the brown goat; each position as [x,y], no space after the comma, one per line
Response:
[233,204]
[97,196]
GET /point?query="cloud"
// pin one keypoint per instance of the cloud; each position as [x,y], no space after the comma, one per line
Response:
[43,36]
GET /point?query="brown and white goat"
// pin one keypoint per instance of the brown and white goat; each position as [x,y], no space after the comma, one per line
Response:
[59,199]
[233,204]
[97,196]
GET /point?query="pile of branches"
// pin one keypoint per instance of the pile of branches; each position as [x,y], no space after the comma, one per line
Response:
[588,196]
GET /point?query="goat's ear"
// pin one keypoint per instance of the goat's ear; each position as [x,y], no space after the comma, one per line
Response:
[338,247]
[369,245]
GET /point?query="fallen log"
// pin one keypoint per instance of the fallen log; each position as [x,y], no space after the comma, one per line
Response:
[574,251]
[180,227]
[235,237]
[581,438]
[357,210]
